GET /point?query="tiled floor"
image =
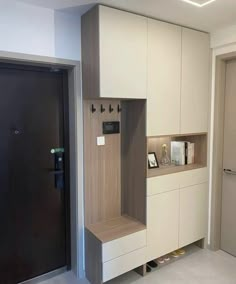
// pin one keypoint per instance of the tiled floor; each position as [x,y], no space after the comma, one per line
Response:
[197,267]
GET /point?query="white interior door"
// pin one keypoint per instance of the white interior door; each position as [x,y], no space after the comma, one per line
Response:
[228,222]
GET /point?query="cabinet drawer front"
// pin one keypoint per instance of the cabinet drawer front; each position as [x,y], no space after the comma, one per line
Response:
[193,177]
[123,245]
[162,184]
[123,264]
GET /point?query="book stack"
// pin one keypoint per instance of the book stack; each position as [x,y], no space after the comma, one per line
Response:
[182,153]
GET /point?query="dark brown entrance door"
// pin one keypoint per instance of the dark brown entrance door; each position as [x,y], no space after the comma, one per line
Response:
[33,211]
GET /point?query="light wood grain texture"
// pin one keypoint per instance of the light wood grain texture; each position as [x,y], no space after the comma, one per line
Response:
[90,53]
[134,159]
[195,81]
[123,264]
[193,214]
[141,270]
[162,224]
[173,169]
[124,245]
[115,228]
[114,46]
[154,144]
[101,165]
[93,258]
[164,77]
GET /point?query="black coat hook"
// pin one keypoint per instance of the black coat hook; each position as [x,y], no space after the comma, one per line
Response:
[102,109]
[119,109]
[93,109]
[111,108]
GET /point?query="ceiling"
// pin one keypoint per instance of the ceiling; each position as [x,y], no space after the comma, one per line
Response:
[215,16]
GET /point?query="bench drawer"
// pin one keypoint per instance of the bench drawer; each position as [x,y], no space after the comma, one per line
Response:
[124,245]
[123,264]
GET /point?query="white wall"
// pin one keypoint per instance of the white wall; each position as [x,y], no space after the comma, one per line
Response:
[67,35]
[26,29]
[39,31]
[223,37]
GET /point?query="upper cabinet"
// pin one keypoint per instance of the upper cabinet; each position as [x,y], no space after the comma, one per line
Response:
[114,54]
[164,78]
[195,81]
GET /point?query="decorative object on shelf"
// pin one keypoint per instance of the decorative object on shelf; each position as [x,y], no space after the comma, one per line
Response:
[152,160]
[93,109]
[182,153]
[165,160]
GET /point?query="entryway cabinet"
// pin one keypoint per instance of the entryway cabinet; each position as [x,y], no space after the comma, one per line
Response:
[176,211]
[145,84]
[178,80]
[114,52]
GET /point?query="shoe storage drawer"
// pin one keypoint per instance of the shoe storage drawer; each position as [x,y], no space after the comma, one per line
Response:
[162,184]
[123,264]
[193,177]
[124,245]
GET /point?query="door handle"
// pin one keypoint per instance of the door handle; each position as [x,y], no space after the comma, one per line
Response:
[229,172]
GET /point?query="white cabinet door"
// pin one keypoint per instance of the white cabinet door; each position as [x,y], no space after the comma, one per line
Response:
[162,224]
[123,54]
[193,214]
[164,78]
[195,81]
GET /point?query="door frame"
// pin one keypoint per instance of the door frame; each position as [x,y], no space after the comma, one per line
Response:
[217,144]
[75,144]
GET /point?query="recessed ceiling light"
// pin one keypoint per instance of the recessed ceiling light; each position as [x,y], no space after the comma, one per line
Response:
[199,3]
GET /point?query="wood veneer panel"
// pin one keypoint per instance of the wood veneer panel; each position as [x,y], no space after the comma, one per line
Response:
[102,164]
[93,258]
[90,53]
[115,228]
[134,153]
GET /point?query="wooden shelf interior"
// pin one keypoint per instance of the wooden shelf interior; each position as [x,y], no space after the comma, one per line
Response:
[115,178]
[154,144]
[115,228]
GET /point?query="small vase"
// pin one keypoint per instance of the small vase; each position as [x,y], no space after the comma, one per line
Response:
[165,160]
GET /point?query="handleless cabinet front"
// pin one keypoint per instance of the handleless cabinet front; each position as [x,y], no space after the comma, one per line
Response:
[123,54]
[195,81]
[164,77]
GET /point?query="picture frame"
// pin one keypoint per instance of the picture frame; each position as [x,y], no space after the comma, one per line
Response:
[152,160]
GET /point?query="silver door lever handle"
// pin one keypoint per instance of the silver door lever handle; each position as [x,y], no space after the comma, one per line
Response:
[229,172]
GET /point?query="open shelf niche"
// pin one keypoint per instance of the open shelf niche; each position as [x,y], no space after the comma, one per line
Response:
[115,173]
[154,144]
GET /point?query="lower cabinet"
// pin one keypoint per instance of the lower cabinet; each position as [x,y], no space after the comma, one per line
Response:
[193,214]
[162,224]
[124,254]
[176,217]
